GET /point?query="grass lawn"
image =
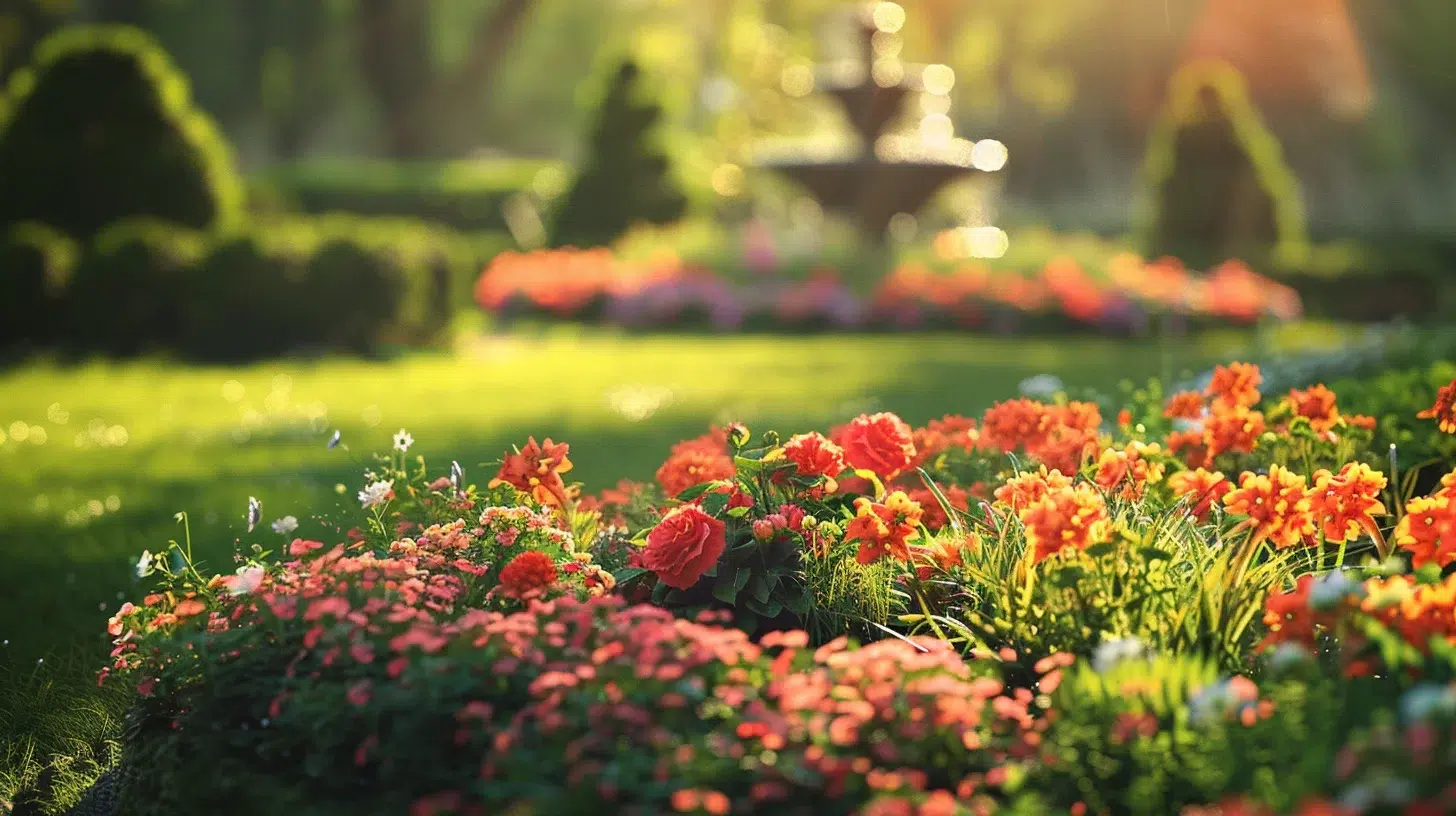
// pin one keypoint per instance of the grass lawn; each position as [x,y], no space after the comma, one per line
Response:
[98,457]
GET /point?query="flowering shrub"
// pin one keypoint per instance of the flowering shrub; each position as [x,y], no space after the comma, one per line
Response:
[1217,599]
[663,292]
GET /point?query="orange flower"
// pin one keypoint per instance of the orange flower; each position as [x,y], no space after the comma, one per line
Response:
[1024,490]
[881,528]
[1288,617]
[1277,506]
[1129,469]
[1235,385]
[1202,487]
[1428,530]
[689,466]
[1191,448]
[1017,423]
[934,515]
[528,574]
[1444,411]
[1234,430]
[536,469]
[1184,405]
[1347,502]
[683,545]
[1066,517]
[940,435]
[1316,404]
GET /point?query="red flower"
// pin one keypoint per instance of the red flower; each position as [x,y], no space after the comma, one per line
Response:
[1444,411]
[815,455]
[684,545]
[536,469]
[880,442]
[1184,405]
[1317,404]
[527,574]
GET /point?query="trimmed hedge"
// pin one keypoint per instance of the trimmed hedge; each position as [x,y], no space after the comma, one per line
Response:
[304,284]
[101,128]
[466,195]
[35,262]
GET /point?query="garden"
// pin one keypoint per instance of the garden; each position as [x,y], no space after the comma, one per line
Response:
[730,435]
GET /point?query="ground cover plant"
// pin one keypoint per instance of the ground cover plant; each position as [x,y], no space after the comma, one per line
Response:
[1207,598]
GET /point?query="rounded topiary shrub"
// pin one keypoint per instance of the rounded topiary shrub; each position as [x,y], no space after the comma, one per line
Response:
[35,261]
[129,289]
[358,294]
[248,300]
[100,128]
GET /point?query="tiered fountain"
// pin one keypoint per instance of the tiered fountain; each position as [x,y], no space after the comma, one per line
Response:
[882,175]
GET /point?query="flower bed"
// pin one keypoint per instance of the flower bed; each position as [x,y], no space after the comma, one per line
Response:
[596,286]
[1213,602]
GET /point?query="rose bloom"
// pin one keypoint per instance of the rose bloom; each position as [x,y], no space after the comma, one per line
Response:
[881,443]
[683,546]
[528,573]
[814,455]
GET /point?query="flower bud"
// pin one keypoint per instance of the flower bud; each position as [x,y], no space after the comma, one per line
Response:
[738,435]
[763,529]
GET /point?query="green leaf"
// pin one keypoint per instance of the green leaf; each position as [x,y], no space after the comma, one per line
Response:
[771,609]
[727,586]
[1100,549]
[801,603]
[760,589]
[747,467]
[1155,554]
[715,503]
[738,512]
[694,492]
[626,574]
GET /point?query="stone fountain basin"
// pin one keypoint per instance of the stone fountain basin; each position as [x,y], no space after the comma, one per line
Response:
[872,190]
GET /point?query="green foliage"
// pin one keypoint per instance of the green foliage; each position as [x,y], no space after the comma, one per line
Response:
[100,129]
[1394,397]
[468,195]
[129,292]
[624,178]
[35,262]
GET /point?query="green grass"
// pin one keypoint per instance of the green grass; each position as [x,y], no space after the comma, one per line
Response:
[128,445]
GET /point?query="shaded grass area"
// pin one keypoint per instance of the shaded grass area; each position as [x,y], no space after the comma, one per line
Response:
[109,452]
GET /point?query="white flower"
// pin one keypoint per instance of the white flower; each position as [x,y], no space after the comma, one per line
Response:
[1042,385]
[144,565]
[247,580]
[255,512]
[403,440]
[1109,653]
[376,493]
[285,525]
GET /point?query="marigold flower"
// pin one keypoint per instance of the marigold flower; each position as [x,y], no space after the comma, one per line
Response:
[881,528]
[940,435]
[1277,506]
[1235,385]
[1234,430]
[1317,404]
[1184,405]
[1347,502]
[1023,490]
[527,574]
[693,466]
[1066,517]
[1016,423]
[1202,487]
[1129,469]
[881,443]
[1444,410]
[536,469]
[1428,530]
[1191,447]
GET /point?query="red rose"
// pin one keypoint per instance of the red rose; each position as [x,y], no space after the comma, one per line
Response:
[683,546]
[881,442]
[814,455]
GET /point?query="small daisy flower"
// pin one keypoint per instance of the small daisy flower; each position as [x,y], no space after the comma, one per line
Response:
[285,525]
[376,493]
[403,440]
